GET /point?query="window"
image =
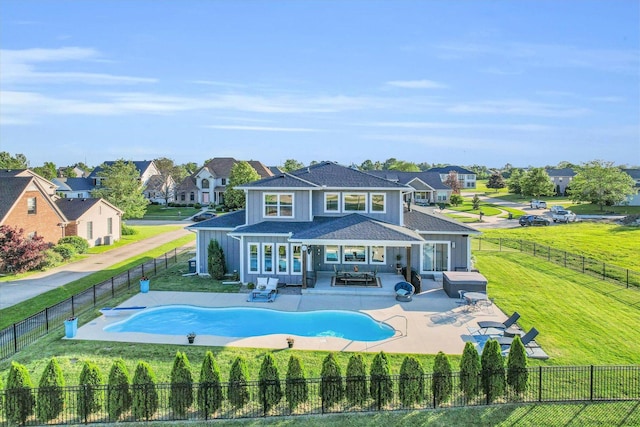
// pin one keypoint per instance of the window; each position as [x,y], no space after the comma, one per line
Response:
[223,181]
[278,205]
[377,254]
[435,257]
[332,254]
[31,206]
[205,183]
[90,230]
[296,259]
[109,225]
[354,202]
[254,255]
[192,196]
[283,258]
[267,260]
[354,254]
[331,202]
[182,197]
[378,202]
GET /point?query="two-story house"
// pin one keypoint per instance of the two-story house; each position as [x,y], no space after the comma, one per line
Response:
[74,188]
[155,186]
[634,198]
[561,179]
[428,186]
[466,178]
[326,217]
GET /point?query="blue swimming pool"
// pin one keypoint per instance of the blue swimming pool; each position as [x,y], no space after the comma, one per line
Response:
[242,322]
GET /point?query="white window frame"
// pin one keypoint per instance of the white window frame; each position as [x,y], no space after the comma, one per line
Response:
[258,258]
[344,203]
[384,203]
[338,209]
[277,205]
[327,261]
[264,258]
[89,229]
[294,257]
[366,255]
[32,205]
[286,258]
[384,254]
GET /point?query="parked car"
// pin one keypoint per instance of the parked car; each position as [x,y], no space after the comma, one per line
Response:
[538,204]
[533,220]
[564,216]
[204,216]
[556,208]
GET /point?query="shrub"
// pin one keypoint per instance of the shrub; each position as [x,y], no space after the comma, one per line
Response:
[50,259]
[125,230]
[296,389]
[197,206]
[50,392]
[381,386]
[270,390]
[118,390]
[181,396]
[517,373]
[90,393]
[210,391]
[493,381]
[238,393]
[411,382]
[19,401]
[441,384]
[80,244]
[145,392]
[216,260]
[331,388]
[66,250]
[356,380]
[19,253]
[470,371]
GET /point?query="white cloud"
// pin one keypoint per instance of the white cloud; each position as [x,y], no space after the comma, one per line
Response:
[417,84]
[261,128]
[528,127]
[517,107]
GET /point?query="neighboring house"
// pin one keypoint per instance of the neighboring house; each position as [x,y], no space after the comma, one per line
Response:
[428,187]
[78,188]
[466,178]
[75,171]
[30,202]
[327,217]
[208,184]
[150,178]
[634,199]
[561,179]
[158,188]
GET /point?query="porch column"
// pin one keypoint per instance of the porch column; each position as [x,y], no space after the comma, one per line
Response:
[408,272]
[303,249]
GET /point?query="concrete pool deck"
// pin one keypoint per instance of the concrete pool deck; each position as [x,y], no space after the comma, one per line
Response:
[430,323]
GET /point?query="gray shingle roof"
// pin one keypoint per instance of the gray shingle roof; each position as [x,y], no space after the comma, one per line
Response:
[356,227]
[560,172]
[432,179]
[447,169]
[427,223]
[227,221]
[73,184]
[11,187]
[141,166]
[75,208]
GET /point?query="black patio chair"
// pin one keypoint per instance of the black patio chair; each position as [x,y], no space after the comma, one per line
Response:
[484,325]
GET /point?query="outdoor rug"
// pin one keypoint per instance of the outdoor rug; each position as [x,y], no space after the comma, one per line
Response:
[375,283]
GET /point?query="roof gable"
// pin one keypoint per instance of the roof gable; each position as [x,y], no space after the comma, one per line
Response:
[447,169]
[425,223]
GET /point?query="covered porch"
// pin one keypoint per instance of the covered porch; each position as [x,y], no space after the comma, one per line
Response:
[324,285]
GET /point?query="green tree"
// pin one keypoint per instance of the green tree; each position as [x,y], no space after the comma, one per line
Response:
[601,183]
[7,161]
[381,386]
[269,387]
[401,165]
[331,386]
[411,382]
[493,375]
[470,371]
[241,173]
[442,382]
[296,388]
[387,163]
[456,199]
[368,165]
[215,258]
[496,181]
[19,400]
[237,389]
[210,389]
[356,380]
[170,175]
[90,393]
[181,395]
[48,170]
[118,390]
[291,165]
[145,392]
[517,373]
[475,202]
[514,183]
[536,182]
[50,392]
[122,188]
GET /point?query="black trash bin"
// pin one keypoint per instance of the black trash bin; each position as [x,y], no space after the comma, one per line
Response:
[192,265]
[510,215]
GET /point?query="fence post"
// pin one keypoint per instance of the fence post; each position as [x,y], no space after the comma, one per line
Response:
[73,308]
[113,290]
[128,279]
[591,381]
[540,384]
[46,318]
[166,262]
[142,266]
[155,267]
[15,338]
[94,295]
[175,254]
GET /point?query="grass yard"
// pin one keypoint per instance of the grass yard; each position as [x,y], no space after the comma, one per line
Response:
[169,213]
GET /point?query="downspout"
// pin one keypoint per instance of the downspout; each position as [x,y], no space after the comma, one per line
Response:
[241,240]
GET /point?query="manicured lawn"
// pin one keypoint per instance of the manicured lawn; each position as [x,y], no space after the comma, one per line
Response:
[467,206]
[169,213]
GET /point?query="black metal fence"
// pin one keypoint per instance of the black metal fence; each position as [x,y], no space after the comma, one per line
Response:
[267,399]
[611,273]
[21,334]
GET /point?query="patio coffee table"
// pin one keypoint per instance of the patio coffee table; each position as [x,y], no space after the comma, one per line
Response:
[352,276]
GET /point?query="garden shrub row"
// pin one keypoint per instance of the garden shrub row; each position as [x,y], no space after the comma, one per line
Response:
[139,396]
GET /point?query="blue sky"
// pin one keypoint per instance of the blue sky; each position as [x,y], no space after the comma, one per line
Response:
[461,82]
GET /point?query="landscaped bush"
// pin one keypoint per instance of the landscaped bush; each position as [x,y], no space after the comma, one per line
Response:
[441,384]
[331,388]
[216,260]
[181,396]
[66,250]
[50,259]
[470,371]
[411,381]
[145,392]
[125,230]
[90,394]
[381,386]
[50,392]
[80,244]
[118,390]
[20,253]
[197,206]
[296,390]
[492,362]
[356,380]
[19,401]
[269,388]
[517,373]
[210,390]
[237,392]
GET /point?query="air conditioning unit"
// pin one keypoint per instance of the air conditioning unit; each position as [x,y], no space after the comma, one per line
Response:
[108,240]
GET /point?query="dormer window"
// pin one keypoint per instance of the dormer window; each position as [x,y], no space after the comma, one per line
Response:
[278,205]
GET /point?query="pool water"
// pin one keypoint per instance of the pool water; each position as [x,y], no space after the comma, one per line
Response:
[242,322]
